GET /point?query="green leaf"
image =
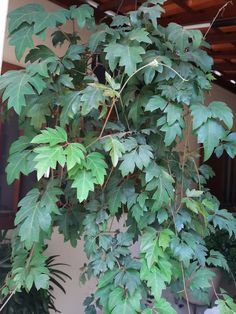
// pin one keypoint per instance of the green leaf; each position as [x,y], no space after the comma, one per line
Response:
[82,14]
[147,311]
[17,163]
[128,56]
[42,68]
[39,53]
[193,193]
[201,279]
[129,279]
[140,157]
[224,220]
[115,148]
[33,218]
[41,281]
[107,278]
[50,198]
[154,280]
[74,52]
[95,162]
[120,304]
[70,106]
[164,238]
[171,132]
[164,307]
[151,13]
[193,205]
[22,39]
[47,157]
[98,37]
[183,38]
[51,136]
[174,113]
[45,20]
[141,35]
[91,98]
[221,111]
[150,246]
[17,85]
[84,183]
[19,145]
[114,200]
[217,259]
[75,154]
[156,102]
[210,135]
[164,184]
[38,109]
[26,13]
[120,20]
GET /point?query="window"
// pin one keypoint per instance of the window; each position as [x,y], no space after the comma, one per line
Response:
[9,195]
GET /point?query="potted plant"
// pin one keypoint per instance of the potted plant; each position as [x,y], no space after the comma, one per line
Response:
[106,129]
[32,301]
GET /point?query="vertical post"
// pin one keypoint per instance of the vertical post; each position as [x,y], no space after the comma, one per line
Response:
[3,19]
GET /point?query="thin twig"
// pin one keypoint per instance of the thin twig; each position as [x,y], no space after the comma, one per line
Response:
[217,14]
[7,300]
[197,172]
[105,184]
[119,7]
[30,256]
[107,117]
[182,268]
[185,289]
[214,289]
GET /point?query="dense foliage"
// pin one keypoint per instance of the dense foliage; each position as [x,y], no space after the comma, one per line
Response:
[117,147]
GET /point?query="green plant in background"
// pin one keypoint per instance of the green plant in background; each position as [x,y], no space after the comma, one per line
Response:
[117,147]
[221,242]
[33,301]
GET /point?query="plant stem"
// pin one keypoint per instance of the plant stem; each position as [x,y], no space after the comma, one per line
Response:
[30,257]
[107,180]
[217,14]
[7,300]
[107,117]
[185,289]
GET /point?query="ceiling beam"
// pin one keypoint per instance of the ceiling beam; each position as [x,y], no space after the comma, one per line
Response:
[221,39]
[230,76]
[118,4]
[225,66]
[204,16]
[183,5]
[67,3]
[223,54]
[111,5]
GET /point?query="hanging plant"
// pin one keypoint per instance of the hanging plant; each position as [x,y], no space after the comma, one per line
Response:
[106,128]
